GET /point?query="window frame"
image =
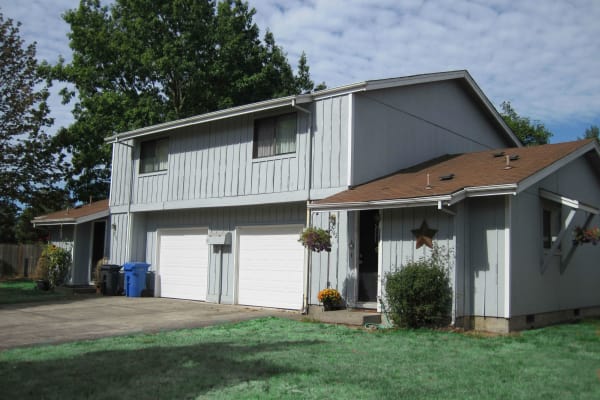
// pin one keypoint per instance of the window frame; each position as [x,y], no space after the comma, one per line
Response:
[275,143]
[551,224]
[156,163]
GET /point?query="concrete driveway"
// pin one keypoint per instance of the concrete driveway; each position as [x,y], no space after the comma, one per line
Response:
[90,317]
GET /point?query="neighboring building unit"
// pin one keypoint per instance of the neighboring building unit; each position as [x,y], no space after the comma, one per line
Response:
[82,230]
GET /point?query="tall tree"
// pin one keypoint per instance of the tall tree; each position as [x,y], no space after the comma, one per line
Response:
[142,62]
[592,133]
[27,162]
[530,133]
[8,220]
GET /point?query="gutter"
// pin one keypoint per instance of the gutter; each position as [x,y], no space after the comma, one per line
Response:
[430,201]
[213,116]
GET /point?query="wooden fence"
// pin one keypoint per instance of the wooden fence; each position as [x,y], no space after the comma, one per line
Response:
[20,257]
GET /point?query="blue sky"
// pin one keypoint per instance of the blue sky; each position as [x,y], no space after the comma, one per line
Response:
[542,56]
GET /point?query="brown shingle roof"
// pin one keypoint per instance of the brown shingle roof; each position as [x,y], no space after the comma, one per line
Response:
[480,169]
[74,215]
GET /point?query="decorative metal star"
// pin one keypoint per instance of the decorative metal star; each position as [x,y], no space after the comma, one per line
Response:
[424,235]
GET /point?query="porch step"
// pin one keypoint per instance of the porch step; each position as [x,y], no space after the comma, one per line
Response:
[357,317]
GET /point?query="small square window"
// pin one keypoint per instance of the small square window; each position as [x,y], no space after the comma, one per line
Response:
[154,155]
[275,135]
[551,224]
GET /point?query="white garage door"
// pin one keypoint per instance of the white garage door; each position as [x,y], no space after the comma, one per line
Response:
[271,261]
[183,264]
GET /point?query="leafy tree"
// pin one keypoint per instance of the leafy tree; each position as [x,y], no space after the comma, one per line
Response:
[592,133]
[143,62]
[27,162]
[530,133]
[304,83]
[45,201]
[8,212]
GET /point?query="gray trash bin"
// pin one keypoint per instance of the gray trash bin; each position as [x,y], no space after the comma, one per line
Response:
[109,274]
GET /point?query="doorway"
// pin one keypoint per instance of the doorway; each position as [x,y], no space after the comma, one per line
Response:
[98,242]
[368,256]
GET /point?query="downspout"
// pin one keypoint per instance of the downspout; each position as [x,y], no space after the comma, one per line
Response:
[308,255]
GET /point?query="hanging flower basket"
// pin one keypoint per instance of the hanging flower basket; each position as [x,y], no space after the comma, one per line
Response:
[581,236]
[316,239]
[330,298]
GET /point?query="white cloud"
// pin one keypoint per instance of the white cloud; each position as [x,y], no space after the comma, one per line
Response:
[543,56]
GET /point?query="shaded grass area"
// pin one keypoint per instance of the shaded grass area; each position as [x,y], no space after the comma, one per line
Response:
[25,291]
[283,359]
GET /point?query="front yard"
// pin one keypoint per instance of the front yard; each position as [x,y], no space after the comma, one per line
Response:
[279,358]
[25,291]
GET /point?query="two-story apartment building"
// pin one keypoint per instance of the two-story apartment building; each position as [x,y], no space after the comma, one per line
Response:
[216,202]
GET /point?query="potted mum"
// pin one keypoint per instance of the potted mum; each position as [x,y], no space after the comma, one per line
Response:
[316,239]
[330,298]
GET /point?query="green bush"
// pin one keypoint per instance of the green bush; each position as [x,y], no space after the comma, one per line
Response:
[6,270]
[53,265]
[419,294]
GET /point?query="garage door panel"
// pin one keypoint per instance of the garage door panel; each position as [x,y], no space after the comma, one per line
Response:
[271,267]
[183,264]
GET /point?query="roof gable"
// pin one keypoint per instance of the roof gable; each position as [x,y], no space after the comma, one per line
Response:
[292,101]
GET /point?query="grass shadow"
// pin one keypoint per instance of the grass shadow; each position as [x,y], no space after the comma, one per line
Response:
[160,372]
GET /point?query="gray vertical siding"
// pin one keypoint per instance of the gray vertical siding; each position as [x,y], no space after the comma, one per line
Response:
[576,286]
[400,127]
[121,173]
[118,239]
[484,274]
[214,160]
[331,269]
[330,142]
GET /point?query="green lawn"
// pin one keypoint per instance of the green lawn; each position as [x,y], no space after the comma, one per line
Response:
[25,291]
[278,359]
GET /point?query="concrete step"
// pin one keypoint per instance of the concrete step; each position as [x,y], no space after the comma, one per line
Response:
[357,317]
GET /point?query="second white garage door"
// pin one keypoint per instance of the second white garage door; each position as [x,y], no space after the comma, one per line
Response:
[183,263]
[270,267]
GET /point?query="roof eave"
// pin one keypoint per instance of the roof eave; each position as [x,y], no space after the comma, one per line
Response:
[71,221]
[266,105]
[382,204]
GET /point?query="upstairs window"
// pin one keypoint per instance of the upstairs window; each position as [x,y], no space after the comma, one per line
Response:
[154,155]
[275,135]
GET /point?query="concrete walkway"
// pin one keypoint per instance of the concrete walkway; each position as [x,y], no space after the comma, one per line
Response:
[91,317]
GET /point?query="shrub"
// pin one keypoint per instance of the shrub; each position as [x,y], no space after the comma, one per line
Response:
[419,295]
[53,265]
[6,269]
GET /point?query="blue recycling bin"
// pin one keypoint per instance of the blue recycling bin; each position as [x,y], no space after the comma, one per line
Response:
[135,278]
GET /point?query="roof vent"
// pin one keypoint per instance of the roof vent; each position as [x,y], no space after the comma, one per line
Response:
[428,187]
[500,154]
[447,177]
[507,162]
[514,157]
